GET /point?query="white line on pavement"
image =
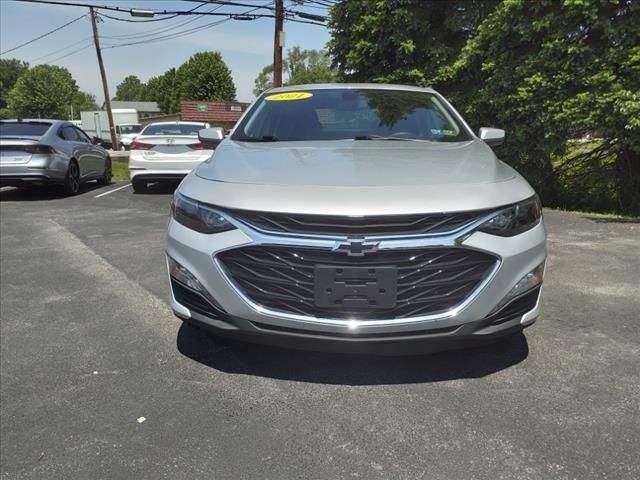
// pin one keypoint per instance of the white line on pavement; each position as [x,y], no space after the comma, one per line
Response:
[111,191]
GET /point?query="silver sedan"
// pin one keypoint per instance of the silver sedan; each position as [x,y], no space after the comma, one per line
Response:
[37,152]
[356,218]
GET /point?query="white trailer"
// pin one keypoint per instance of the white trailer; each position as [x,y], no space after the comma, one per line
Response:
[96,123]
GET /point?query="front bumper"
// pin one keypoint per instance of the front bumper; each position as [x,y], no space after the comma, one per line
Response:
[467,323]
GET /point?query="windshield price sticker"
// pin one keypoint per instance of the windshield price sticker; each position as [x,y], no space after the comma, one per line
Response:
[279,97]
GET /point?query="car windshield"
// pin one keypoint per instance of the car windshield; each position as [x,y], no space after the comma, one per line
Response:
[130,128]
[173,129]
[23,129]
[347,113]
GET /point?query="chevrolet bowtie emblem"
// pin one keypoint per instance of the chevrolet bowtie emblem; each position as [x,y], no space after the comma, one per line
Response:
[356,247]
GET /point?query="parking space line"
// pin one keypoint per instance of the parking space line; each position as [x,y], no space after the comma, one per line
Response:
[111,191]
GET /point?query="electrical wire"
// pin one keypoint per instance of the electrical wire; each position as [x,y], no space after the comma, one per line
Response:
[158,30]
[44,35]
[183,32]
[71,53]
[71,45]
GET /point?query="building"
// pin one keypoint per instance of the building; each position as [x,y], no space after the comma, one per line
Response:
[145,109]
[218,114]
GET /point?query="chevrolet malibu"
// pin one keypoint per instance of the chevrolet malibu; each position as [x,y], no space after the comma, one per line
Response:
[356,217]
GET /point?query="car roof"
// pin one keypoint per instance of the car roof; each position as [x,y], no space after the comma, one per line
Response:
[368,86]
[34,120]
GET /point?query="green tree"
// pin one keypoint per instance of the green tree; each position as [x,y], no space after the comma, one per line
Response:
[401,41]
[162,90]
[553,71]
[83,101]
[45,91]
[548,71]
[205,76]
[10,70]
[130,89]
[299,67]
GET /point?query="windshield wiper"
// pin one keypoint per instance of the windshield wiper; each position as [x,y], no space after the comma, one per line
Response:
[264,138]
[380,137]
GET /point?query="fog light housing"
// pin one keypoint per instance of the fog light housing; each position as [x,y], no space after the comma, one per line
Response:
[530,281]
[184,276]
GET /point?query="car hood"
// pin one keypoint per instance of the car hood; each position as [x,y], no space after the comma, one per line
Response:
[354,163]
[355,177]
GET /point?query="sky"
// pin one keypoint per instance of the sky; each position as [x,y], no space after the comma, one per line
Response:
[246,46]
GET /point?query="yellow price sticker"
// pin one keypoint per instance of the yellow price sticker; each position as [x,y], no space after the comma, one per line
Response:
[279,97]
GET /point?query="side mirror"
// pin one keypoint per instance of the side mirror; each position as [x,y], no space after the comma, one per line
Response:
[492,136]
[211,136]
[96,141]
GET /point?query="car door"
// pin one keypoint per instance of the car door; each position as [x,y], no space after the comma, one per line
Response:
[96,155]
[79,149]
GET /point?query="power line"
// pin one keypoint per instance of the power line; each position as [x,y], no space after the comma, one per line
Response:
[184,12]
[43,35]
[154,19]
[183,33]
[157,30]
[71,53]
[71,45]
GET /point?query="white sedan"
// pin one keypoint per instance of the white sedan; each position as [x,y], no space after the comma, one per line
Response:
[166,151]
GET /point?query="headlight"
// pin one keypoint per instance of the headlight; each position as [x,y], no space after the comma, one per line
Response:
[515,219]
[198,216]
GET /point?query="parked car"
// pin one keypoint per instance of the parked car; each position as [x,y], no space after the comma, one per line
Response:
[127,133]
[36,152]
[166,151]
[126,121]
[356,217]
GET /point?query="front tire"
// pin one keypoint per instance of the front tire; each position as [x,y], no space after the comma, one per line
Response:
[72,180]
[108,175]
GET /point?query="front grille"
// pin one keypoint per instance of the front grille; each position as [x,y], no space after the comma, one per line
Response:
[379,225]
[429,280]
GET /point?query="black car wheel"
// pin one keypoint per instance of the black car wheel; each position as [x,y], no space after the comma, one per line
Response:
[106,178]
[72,181]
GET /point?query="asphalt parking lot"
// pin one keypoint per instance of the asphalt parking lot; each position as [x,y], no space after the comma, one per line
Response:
[99,380]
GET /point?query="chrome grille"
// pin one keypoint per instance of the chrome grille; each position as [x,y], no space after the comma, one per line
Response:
[429,280]
[379,225]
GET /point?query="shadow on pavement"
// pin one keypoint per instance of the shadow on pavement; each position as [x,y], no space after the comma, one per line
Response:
[161,188]
[613,220]
[343,369]
[42,193]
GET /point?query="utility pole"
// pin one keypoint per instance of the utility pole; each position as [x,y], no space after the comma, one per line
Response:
[107,99]
[277,44]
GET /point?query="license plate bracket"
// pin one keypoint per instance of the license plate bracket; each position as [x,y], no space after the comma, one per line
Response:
[355,288]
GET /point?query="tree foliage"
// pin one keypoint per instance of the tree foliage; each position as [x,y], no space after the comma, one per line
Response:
[205,77]
[83,101]
[549,72]
[131,89]
[45,91]
[163,90]
[10,70]
[299,67]
[401,41]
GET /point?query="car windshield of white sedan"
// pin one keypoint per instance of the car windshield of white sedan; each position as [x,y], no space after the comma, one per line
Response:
[173,129]
[357,114]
